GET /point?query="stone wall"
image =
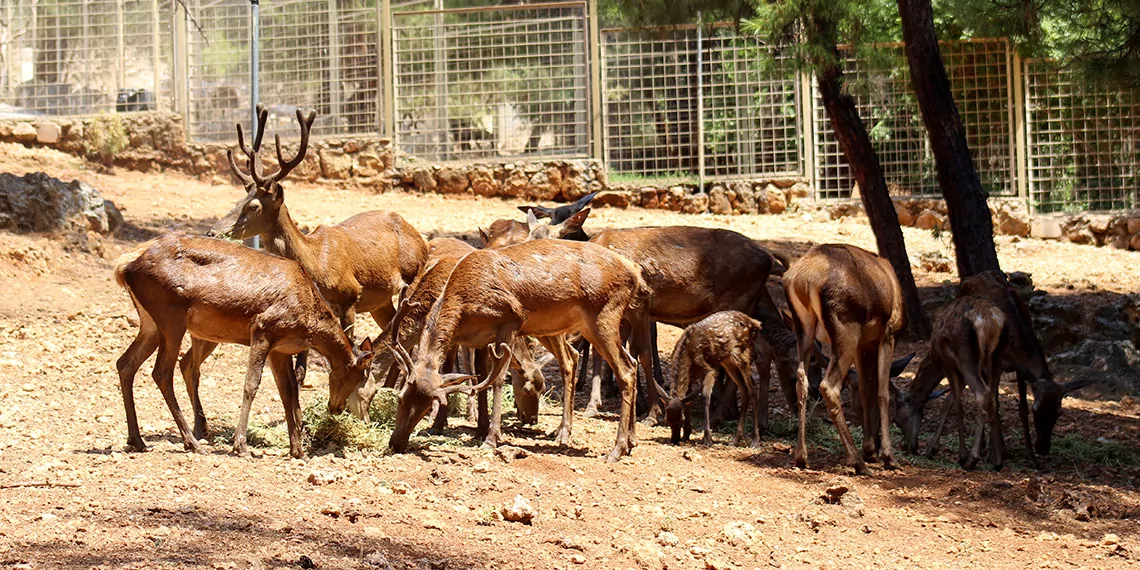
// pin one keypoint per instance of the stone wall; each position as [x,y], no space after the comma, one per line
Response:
[158,142]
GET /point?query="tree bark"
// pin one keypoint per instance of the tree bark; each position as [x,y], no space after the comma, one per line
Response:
[966,205]
[864,162]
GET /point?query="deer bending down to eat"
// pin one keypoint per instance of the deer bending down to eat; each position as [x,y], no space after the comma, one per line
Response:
[730,340]
[222,292]
[542,288]
[358,265]
[966,346]
[1023,354]
[407,328]
[850,299]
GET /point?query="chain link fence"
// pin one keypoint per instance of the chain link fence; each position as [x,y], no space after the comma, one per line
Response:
[82,57]
[517,83]
[879,80]
[1084,143]
[490,83]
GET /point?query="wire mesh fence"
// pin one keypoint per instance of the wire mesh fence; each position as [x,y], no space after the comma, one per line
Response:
[684,104]
[879,81]
[509,81]
[80,57]
[1084,143]
[315,54]
[515,83]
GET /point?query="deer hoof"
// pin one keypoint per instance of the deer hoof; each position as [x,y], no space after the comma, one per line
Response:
[649,421]
[591,411]
[889,463]
[137,445]
[755,443]
[861,469]
[801,463]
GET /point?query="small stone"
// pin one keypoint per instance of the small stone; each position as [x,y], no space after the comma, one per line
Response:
[327,477]
[519,511]
[49,518]
[509,453]
[481,467]
[667,539]
[578,559]
[1110,540]
[833,495]
[24,132]
[433,524]
[48,133]
[691,455]
[699,551]
[400,488]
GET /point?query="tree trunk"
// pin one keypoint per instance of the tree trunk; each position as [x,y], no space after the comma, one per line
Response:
[965,198]
[864,163]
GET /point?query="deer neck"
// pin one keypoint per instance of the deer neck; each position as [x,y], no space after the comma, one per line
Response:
[438,334]
[332,342]
[292,243]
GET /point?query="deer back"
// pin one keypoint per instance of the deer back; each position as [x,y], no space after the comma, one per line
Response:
[1024,348]
[854,284]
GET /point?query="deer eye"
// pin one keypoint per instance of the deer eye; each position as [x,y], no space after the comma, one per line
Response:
[254,206]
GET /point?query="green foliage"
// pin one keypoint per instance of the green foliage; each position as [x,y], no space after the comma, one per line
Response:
[1078,449]
[104,137]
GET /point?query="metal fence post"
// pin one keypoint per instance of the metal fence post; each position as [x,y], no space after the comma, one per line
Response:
[1026,148]
[439,65]
[700,104]
[386,94]
[156,45]
[121,45]
[181,64]
[597,150]
[1020,141]
[807,126]
[334,67]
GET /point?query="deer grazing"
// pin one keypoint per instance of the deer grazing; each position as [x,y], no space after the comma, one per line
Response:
[966,346]
[728,340]
[358,265]
[542,288]
[222,292]
[850,299]
[1023,354]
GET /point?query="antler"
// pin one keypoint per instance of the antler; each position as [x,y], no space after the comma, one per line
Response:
[286,166]
[502,359]
[252,162]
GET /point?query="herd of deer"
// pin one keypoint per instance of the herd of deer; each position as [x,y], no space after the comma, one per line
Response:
[457,319]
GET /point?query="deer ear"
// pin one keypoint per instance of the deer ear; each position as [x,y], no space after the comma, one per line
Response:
[531,220]
[574,223]
[1077,384]
[366,346]
[450,380]
[483,234]
[899,365]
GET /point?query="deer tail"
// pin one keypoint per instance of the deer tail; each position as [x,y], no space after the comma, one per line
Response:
[126,259]
[782,263]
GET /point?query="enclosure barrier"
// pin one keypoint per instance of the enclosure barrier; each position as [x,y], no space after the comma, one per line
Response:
[541,81]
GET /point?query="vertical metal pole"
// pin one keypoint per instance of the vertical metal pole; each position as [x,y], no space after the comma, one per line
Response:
[700,103]
[182,65]
[439,62]
[156,46]
[1027,133]
[120,27]
[254,79]
[1020,148]
[807,126]
[334,68]
[582,115]
[597,149]
[386,92]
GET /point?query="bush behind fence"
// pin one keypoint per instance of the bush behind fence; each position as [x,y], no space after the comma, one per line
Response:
[521,82]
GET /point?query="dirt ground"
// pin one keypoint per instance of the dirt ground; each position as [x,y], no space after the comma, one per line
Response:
[71,497]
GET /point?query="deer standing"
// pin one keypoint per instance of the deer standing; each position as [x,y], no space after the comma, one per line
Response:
[358,265]
[850,299]
[728,340]
[967,343]
[222,292]
[1023,355]
[542,288]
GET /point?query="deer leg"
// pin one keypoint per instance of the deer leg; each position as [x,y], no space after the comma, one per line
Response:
[804,343]
[655,358]
[936,440]
[565,365]
[191,367]
[592,367]
[706,395]
[1023,410]
[280,366]
[866,366]
[624,373]
[996,433]
[832,386]
[128,364]
[301,368]
[882,412]
[760,408]
[467,357]
[687,423]
[163,375]
[258,353]
[727,400]
[734,370]
[495,434]
[483,425]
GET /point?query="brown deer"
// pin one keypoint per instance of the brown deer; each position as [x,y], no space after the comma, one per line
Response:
[850,299]
[358,265]
[966,346]
[542,288]
[1023,355]
[408,326]
[221,292]
[730,340]
[695,272]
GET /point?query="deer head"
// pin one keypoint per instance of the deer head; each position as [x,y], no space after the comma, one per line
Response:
[426,387]
[257,212]
[675,407]
[348,376]
[1047,398]
[571,225]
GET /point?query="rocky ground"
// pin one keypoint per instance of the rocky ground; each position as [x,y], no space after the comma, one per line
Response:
[71,497]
